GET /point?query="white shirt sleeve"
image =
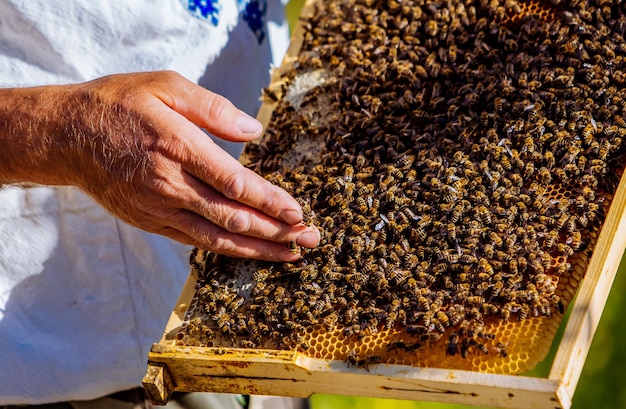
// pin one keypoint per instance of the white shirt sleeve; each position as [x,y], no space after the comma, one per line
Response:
[83,295]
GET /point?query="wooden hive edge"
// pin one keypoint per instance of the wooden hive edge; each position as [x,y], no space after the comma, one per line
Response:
[289,373]
[291,56]
[591,298]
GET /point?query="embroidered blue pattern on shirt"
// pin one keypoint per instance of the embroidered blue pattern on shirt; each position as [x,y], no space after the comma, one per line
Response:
[253,14]
[205,9]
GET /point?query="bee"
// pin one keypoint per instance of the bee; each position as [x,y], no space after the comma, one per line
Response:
[431,28]
[352,357]
[261,275]
[356,279]
[588,194]
[588,133]
[497,287]
[269,95]
[505,314]
[362,204]
[223,321]
[523,313]
[453,344]
[513,266]
[423,303]
[496,240]
[490,309]
[498,104]
[194,324]
[477,300]
[545,175]
[365,363]
[575,241]
[551,238]
[206,293]
[443,319]
[440,268]
[475,314]
[560,223]
[331,275]
[247,344]
[565,249]
[484,214]
[544,307]
[237,303]
[485,266]
[592,210]
[522,80]
[479,346]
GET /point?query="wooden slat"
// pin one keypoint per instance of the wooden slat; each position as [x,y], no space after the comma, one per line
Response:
[291,56]
[286,373]
[157,383]
[592,295]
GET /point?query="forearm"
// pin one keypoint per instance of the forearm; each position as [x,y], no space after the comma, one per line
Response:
[30,135]
[66,135]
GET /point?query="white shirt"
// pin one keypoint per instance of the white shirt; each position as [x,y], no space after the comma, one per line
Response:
[82,295]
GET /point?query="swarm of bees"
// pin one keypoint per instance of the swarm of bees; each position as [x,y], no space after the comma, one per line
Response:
[468,153]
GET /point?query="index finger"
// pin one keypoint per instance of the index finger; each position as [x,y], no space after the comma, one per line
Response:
[236,182]
[209,163]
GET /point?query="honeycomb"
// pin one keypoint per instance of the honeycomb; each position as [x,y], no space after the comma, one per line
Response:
[458,158]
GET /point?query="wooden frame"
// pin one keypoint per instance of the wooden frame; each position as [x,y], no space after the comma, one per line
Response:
[287,373]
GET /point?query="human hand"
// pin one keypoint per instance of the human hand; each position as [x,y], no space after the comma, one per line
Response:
[133,143]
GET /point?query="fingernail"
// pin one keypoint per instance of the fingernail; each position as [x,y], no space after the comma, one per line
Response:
[248,125]
[309,238]
[291,216]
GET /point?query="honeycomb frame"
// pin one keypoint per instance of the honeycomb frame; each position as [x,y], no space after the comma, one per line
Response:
[259,371]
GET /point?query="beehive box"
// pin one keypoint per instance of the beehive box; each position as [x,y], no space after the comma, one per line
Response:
[444,346]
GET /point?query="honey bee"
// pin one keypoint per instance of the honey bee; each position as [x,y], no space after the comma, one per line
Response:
[479,346]
[564,249]
[592,211]
[269,95]
[575,241]
[496,240]
[365,363]
[484,214]
[522,80]
[247,344]
[505,314]
[551,238]
[475,314]
[477,300]
[352,357]
[453,344]
[523,313]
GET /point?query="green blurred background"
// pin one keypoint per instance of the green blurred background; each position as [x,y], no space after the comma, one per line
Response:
[604,373]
